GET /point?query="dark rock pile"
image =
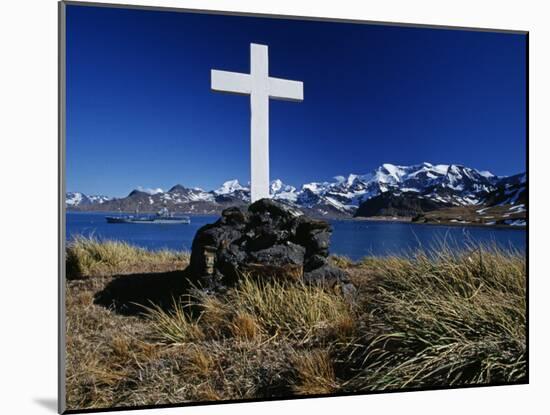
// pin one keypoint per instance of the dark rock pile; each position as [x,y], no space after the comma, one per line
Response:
[269,240]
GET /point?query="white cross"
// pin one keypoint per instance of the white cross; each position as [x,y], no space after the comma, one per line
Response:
[260,86]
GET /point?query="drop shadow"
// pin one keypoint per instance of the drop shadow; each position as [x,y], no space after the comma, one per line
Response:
[49,403]
[129,294]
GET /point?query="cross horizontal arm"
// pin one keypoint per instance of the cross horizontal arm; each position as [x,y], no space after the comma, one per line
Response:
[286,90]
[234,82]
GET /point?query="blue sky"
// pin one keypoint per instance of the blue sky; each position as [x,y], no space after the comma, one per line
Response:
[140,111]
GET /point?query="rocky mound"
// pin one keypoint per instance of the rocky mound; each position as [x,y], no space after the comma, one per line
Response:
[269,240]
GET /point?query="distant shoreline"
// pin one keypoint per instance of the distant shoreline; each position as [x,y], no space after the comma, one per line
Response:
[388,219]
[407,219]
[383,218]
[145,212]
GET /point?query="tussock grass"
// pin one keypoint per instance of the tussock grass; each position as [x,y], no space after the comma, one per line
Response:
[446,318]
[246,327]
[255,309]
[314,372]
[175,326]
[296,310]
[428,319]
[88,257]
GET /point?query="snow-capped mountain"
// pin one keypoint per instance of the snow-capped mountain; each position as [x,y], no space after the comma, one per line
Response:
[282,191]
[150,191]
[230,187]
[454,185]
[278,190]
[182,194]
[433,185]
[75,199]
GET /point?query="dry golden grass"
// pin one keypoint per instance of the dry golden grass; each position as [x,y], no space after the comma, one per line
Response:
[245,327]
[90,257]
[294,310]
[421,321]
[176,326]
[254,310]
[314,372]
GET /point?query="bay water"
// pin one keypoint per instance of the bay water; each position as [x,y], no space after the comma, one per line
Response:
[352,238]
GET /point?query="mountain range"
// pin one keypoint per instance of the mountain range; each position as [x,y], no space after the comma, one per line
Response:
[389,190]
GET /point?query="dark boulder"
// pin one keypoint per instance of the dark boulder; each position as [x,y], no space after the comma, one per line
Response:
[279,255]
[270,240]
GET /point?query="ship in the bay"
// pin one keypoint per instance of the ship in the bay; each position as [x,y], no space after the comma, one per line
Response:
[163,217]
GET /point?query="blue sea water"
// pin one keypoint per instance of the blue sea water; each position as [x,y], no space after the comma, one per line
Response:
[352,238]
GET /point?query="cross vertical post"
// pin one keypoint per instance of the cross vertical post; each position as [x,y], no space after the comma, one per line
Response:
[259,123]
[260,86]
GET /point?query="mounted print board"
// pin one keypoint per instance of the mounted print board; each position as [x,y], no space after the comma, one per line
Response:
[260,207]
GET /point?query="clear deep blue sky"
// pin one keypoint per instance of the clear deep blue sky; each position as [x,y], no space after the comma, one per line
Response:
[140,111]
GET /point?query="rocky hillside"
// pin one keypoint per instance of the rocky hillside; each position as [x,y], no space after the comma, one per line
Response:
[399,204]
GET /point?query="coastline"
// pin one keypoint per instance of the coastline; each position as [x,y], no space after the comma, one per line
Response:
[386,219]
[408,219]
[129,212]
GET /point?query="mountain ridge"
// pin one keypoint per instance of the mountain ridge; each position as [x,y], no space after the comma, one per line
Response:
[425,186]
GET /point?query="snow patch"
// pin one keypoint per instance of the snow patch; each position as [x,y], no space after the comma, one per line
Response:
[149,190]
[516,222]
[229,186]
